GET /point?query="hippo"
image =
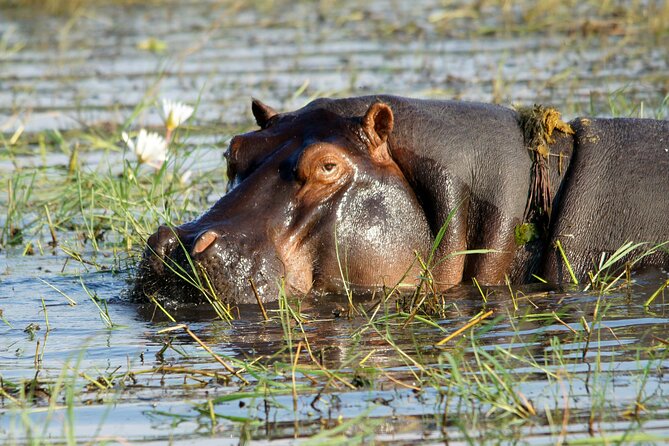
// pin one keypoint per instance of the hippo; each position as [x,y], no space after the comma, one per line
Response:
[376,191]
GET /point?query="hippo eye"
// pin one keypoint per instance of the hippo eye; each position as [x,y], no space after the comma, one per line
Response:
[329,167]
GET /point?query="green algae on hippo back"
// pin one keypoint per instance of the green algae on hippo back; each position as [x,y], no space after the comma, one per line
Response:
[376,178]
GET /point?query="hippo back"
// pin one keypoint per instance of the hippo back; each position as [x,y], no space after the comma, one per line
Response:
[616,190]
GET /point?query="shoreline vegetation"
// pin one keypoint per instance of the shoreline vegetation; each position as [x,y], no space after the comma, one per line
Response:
[585,17]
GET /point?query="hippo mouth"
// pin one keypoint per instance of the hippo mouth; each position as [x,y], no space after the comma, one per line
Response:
[177,267]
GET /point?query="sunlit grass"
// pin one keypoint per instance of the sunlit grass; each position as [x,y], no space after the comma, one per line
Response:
[116,203]
[587,17]
[71,7]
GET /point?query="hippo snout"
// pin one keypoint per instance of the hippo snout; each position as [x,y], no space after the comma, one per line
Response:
[159,246]
[162,244]
[199,263]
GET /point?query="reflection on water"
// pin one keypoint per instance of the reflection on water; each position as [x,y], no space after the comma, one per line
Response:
[559,367]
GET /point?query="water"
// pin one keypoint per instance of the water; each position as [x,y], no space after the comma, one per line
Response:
[396,385]
[90,68]
[166,399]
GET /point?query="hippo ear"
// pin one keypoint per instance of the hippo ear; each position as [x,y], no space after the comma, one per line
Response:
[262,112]
[378,124]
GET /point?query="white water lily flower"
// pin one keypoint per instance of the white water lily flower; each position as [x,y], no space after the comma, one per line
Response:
[184,179]
[176,113]
[150,147]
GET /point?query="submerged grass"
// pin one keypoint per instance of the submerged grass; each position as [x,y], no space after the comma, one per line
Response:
[470,386]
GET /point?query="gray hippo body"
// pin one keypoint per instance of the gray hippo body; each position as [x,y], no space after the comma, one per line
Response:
[354,190]
[616,190]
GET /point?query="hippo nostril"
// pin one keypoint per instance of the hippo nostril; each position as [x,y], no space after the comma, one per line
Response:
[204,242]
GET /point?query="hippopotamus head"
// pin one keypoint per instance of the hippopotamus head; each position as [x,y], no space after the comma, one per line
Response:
[315,201]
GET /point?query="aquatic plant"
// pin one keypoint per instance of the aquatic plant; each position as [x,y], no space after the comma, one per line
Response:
[149,147]
[175,113]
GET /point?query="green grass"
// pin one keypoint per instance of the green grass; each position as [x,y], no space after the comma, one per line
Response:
[112,205]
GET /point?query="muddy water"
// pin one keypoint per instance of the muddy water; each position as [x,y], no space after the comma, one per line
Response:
[90,69]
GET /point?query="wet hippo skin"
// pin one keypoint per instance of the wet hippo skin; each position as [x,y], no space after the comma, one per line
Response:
[353,192]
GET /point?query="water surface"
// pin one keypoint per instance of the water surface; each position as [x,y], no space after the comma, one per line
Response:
[545,379]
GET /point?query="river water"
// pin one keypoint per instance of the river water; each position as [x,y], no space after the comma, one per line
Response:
[91,67]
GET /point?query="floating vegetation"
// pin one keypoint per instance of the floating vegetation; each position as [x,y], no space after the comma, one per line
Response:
[538,124]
